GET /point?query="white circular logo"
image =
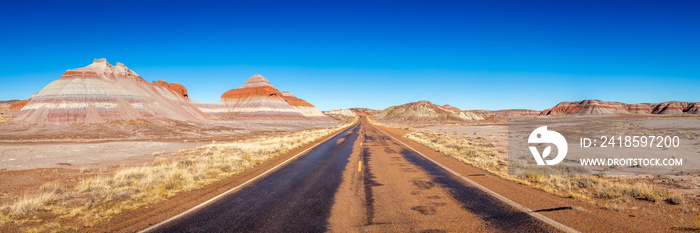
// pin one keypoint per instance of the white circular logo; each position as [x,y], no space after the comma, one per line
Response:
[542,135]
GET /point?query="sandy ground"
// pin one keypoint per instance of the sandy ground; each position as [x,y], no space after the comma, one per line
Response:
[33,155]
[491,134]
[95,145]
[24,167]
[80,155]
[497,133]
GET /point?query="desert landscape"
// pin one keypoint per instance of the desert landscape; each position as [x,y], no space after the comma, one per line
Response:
[366,116]
[484,144]
[96,129]
[100,119]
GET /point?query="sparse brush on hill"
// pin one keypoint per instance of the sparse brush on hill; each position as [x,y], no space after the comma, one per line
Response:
[98,198]
[574,186]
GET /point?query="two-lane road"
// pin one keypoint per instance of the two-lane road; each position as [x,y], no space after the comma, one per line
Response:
[359,180]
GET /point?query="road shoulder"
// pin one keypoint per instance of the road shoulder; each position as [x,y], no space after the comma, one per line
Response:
[576,214]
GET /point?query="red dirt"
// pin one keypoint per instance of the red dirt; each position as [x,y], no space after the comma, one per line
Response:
[19,105]
[449,108]
[176,87]
[243,92]
[294,101]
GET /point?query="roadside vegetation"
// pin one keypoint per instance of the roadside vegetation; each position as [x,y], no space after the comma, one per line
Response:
[573,186]
[4,117]
[99,198]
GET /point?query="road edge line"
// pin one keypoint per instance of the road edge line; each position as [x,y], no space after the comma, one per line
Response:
[217,197]
[512,203]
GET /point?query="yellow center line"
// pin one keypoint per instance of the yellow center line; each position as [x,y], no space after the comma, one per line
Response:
[359,166]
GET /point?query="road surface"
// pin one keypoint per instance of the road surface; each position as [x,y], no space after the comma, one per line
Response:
[361,180]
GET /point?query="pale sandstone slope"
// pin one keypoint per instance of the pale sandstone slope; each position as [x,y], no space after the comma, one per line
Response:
[424,111]
[101,92]
[258,99]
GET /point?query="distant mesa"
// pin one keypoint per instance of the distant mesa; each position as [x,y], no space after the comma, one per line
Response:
[598,107]
[7,103]
[364,111]
[507,113]
[101,92]
[341,114]
[425,111]
[258,99]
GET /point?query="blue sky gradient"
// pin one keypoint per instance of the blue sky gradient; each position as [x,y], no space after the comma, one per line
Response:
[470,54]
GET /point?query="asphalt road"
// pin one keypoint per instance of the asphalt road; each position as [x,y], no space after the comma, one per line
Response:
[361,180]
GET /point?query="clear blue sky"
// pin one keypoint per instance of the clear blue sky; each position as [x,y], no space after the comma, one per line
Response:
[470,54]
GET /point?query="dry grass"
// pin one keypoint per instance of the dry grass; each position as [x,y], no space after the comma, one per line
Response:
[573,186]
[98,198]
[4,118]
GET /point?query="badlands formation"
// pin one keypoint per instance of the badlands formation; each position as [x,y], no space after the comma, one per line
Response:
[18,105]
[101,92]
[176,87]
[598,107]
[97,107]
[364,111]
[424,111]
[341,114]
[304,107]
[259,100]
[507,113]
